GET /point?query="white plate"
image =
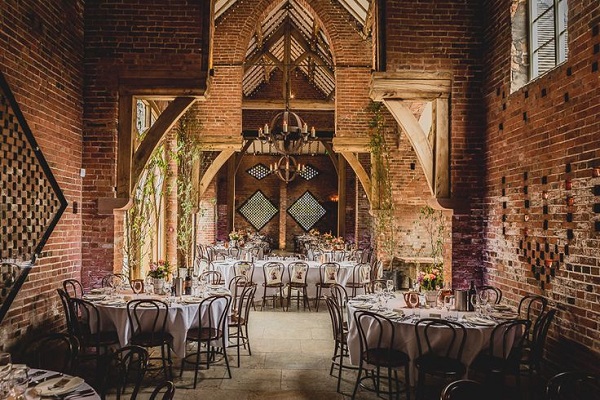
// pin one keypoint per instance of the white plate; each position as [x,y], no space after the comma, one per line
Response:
[94,297]
[362,306]
[71,383]
[480,321]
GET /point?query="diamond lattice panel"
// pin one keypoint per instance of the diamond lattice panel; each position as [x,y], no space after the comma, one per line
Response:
[306,211]
[259,171]
[258,210]
[309,173]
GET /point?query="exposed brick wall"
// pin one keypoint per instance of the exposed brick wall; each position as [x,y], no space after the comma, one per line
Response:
[445,35]
[539,138]
[41,58]
[130,38]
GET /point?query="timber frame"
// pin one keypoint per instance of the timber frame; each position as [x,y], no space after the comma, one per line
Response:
[430,135]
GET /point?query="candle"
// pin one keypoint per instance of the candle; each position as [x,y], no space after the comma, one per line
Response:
[285,126]
[305,128]
[260,132]
[266,129]
[313,133]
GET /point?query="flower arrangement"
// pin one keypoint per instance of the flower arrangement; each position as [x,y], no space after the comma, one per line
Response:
[160,269]
[327,237]
[235,235]
[431,279]
[338,241]
[314,232]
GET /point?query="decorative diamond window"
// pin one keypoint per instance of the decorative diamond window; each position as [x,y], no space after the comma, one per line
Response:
[309,172]
[306,211]
[258,210]
[259,171]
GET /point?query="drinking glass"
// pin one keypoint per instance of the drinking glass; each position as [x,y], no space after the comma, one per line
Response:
[449,304]
[390,286]
[474,301]
[413,300]
[483,301]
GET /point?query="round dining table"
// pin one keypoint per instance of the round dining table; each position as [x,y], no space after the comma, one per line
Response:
[183,313]
[479,330]
[67,387]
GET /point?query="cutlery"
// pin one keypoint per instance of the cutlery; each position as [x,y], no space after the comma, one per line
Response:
[44,379]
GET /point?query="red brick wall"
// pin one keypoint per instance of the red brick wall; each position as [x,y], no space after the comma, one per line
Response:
[445,35]
[549,131]
[124,38]
[41,58]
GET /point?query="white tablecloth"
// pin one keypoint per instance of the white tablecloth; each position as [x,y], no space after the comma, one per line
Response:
[82,391]
[226,268]
[181,317]
[478,337]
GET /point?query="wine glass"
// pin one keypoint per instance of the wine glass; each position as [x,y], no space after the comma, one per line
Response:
[449,303]
[413,300]
[390,286]
[475,303]
[483,301]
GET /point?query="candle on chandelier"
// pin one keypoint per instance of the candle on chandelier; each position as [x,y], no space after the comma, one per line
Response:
[313,133]
[260,132]
[285,126]
[266,129]
[305,128]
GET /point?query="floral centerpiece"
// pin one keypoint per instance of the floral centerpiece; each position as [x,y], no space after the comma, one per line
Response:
[338,242]
[314,232]
[159,269]
[431,279]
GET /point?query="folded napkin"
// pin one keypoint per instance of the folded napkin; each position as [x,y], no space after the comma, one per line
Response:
[479,321]
[59,386]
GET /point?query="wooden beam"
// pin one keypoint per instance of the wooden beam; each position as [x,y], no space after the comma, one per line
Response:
[165,87]
[125,145]
[163,124]
[212,170]
[295,104]
[416,136]
[410,85]
[264,49]
[360,172]
[332,154]
[341,211]
[442,148]
[231,194]
[351,144]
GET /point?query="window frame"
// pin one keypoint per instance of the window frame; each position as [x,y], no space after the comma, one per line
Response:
[560,9]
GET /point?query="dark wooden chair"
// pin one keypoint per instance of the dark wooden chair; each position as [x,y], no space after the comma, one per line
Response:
[73,288]
[494,294]
[361,277]
[532,307]
[211,277]
[573,385]
[464,389]
[53,351]
[340,335]
[533,353]
[164,391]
[439,360]
[208,332]
[297,280]
[125,365]
[238,320]
[148,321]
[377,350]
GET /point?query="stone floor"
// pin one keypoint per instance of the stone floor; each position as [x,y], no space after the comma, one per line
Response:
[290,360]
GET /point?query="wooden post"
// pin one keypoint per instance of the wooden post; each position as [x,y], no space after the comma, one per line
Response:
[231,194]
[341,211]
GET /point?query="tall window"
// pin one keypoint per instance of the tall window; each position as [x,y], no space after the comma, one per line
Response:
[547,35]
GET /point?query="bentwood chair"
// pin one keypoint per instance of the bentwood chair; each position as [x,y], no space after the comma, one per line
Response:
[148,322]
[532,307]
[573,385]
[85,325]
[533,352]
[464,389]
[245,268]
[503,355]
[297,276]
[125,365]
[328,275]
[441,361]
[361,277]
[210,332]
[493,293]
[238,321]
[377,337]
[53,351]
[340,334]
[211,277]
[164,391]
[115,281]
[273,279]
[64,299]
[73,288]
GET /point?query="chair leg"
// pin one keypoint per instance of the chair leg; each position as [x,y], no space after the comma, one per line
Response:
[339,381]
[318,298]
[247,340]
[226,359]
[335,352]
[407,381]
[305,300]
[263,298]
[357,381]
[197,365]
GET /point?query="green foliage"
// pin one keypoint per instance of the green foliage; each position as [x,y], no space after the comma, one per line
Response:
[188,156]
[434,224]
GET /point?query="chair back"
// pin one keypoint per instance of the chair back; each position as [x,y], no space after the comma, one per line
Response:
[366,255]
[273,273]
[298,273]
[200,252]
[124,365]
[339,294]
[377,270]
[115,281]
[328,273]
[464,389]
[506,341]
[338,255]
[376,285]
[336,313]
[245,268]
[164,391]
[493,293]
[201,265]
[137,285]
[210,253]
[54,352]
[532,307]
[73,288]
[427,334]
[84,314]
[376,337]
[575,385]
[64,299]
[540,332]
[233,252]
[245,302]
[236,287]
[361,274]
[154,323]
[214,321]
[211,277]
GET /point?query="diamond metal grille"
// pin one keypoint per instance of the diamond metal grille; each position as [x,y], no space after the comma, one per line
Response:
[258,210]
[309,173]
[259,171]
[306,211]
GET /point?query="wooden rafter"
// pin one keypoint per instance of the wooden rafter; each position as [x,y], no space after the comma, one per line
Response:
[211,172]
